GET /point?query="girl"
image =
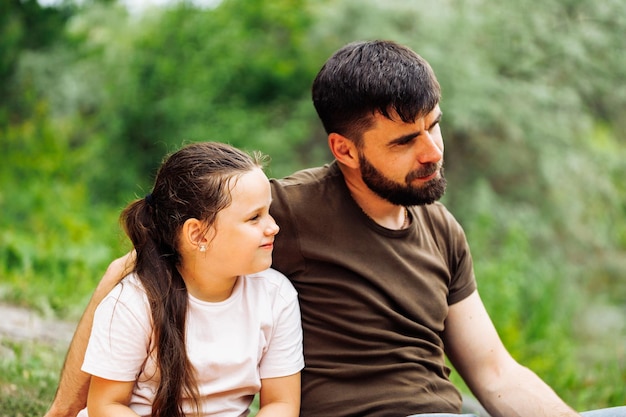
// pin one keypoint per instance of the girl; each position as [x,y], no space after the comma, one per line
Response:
[201,324]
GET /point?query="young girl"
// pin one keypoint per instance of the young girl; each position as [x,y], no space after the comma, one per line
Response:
[202,324]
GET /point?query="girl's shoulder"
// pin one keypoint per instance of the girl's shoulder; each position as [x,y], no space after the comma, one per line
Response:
[273,281]
[128,290]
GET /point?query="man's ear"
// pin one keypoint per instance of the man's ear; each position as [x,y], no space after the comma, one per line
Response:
[194,235]
[344,150]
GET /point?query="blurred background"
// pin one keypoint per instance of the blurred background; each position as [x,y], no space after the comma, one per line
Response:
[93,94]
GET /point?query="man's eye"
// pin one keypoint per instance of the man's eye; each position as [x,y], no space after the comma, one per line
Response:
[406,141]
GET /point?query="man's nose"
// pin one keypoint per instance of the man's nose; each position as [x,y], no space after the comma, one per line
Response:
[430,149]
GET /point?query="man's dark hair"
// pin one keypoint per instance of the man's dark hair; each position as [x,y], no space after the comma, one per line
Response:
[363,78]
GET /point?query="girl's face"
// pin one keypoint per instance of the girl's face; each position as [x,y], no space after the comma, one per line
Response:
[242,238]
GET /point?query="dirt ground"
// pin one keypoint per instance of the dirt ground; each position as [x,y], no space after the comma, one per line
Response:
[21,324]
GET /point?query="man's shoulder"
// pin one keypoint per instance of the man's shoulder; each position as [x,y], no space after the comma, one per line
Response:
[303,190]
[309,176]
[440,221]
[436,209]
[436,214]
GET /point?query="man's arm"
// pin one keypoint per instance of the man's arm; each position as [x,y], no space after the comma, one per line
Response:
[501,384]
[71,395]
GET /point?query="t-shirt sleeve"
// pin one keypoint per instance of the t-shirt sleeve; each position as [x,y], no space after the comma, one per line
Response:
[120,336]
[284,353]
[463,280]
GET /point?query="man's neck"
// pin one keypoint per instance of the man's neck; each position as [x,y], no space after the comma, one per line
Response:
[375,207]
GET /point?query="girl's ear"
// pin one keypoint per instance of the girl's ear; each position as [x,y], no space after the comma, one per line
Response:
[194,235]
[344,150]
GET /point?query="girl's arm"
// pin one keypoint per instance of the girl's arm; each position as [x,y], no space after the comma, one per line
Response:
[109,398]
[280,397]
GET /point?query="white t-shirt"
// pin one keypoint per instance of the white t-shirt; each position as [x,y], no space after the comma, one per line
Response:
[233,344]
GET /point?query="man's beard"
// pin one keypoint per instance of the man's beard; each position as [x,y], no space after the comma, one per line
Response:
[404,194]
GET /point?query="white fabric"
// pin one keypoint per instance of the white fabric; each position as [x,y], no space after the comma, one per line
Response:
[254,334]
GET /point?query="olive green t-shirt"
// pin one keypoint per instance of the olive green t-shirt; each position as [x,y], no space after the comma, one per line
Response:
[373,300]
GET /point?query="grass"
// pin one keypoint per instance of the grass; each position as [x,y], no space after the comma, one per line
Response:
[28,377]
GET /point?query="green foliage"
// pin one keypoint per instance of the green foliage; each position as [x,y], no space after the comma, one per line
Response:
[234,74]
[24,26]
[535,299]
[51,235]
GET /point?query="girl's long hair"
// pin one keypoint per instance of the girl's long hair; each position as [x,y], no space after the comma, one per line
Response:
[193,182]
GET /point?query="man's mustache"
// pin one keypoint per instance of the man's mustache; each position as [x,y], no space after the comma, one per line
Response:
[424,171]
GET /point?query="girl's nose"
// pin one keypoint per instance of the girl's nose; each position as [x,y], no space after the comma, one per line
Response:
[272,227]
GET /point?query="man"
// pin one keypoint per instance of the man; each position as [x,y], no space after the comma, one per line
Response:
[383,271]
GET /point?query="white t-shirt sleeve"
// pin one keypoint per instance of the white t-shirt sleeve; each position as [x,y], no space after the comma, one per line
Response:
[120,337]
[284,355]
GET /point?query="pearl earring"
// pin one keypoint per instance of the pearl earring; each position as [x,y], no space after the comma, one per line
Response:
[203,248]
